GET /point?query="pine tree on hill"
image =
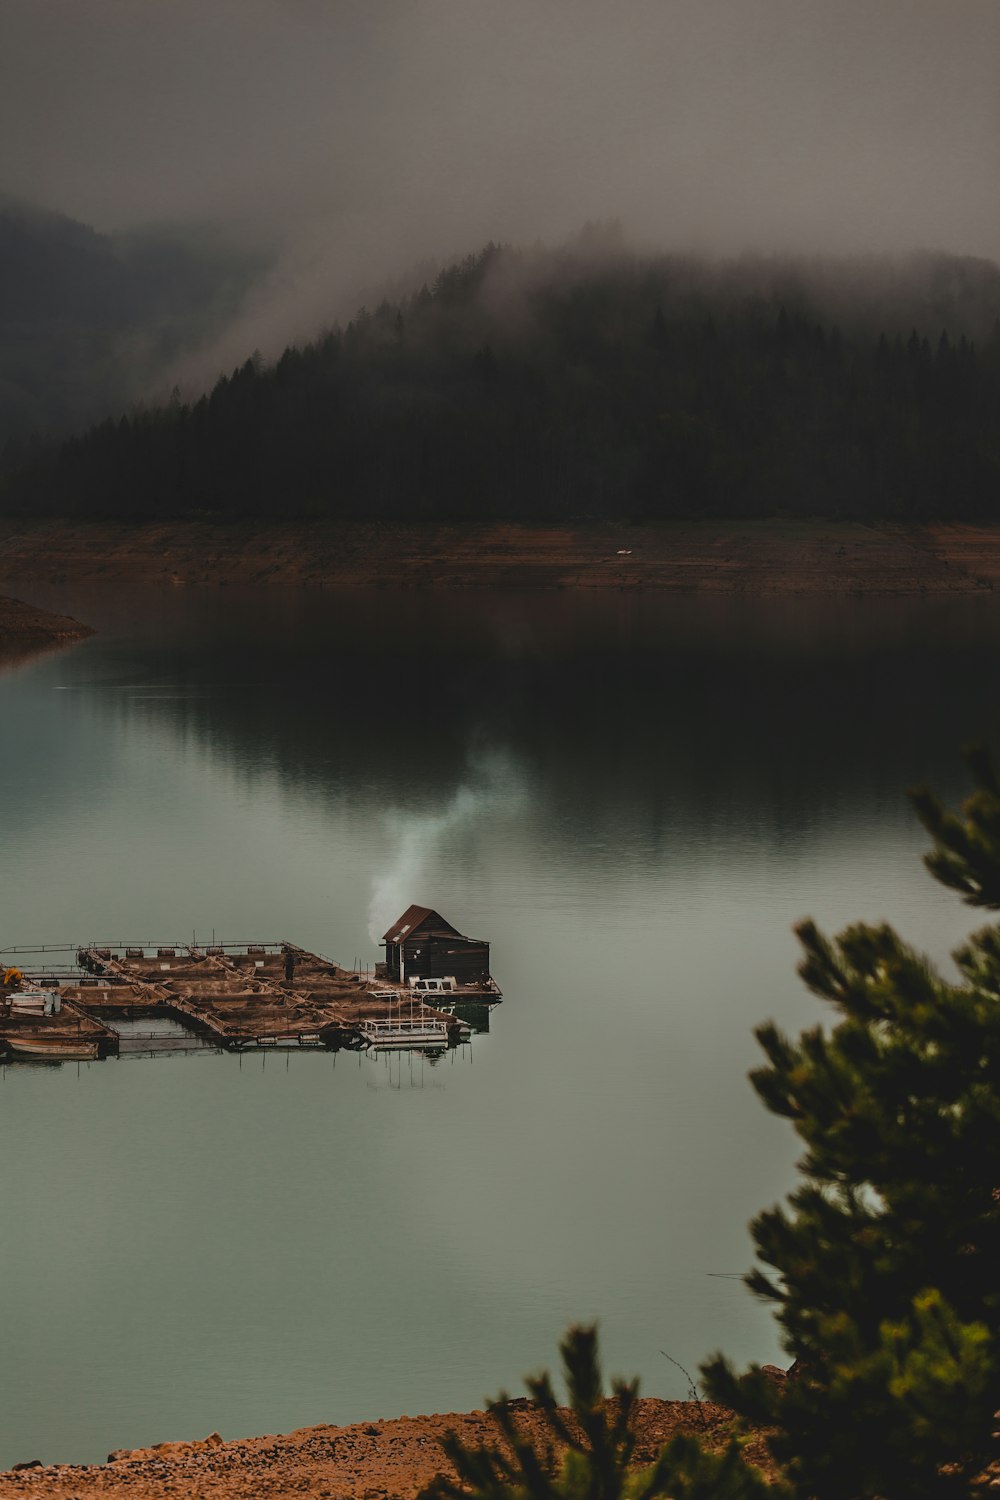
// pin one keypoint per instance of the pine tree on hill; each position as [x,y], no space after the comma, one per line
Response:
[619,391]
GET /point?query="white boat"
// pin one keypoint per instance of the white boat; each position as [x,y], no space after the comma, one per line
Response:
[70,1050]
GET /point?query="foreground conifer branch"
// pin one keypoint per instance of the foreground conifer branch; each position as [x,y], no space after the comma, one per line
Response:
[588,1456]
[883,1266]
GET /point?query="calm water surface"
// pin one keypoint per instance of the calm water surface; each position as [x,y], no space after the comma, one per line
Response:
[632,798]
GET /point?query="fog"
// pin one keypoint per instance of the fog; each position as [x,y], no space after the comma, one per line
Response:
[357,137]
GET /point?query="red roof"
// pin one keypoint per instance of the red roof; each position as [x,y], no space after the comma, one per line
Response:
[413,917]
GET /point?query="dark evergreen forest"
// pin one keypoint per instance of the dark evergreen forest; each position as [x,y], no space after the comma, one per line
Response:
[90,321]
[555,385]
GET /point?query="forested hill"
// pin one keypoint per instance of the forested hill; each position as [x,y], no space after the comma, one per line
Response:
[577,384]
[89,321]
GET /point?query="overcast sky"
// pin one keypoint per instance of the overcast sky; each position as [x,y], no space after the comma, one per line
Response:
[365,134]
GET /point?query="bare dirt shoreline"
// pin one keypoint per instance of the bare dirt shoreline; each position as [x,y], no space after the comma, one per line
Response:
[385,1460]
[754,557]
[25,628]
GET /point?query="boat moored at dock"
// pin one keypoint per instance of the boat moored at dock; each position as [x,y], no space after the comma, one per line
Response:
[37,1049]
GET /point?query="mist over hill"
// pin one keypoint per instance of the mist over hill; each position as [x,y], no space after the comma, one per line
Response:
[588,380]
[91,322]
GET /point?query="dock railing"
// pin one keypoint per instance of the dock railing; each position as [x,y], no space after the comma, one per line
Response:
[379,1031]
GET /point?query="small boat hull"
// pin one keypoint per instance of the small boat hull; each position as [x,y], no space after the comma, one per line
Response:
[54,1051]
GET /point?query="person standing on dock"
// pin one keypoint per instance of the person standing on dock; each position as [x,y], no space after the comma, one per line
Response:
[289,965]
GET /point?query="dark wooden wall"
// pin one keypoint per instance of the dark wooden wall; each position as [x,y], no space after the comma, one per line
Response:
[440,957]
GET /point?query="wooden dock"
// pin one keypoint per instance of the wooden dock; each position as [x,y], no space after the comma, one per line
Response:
[230,996]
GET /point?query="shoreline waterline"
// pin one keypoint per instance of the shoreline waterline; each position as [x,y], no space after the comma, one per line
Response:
[746,557]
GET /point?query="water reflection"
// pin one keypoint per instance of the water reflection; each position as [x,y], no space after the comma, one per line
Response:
[631,706]
[630,797]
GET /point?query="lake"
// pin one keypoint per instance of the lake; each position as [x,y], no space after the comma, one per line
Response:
[632,797]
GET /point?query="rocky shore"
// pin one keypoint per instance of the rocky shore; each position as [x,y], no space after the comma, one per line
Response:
[753,557]
[385,1460]
[23,627]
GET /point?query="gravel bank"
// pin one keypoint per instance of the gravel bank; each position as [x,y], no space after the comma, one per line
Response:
[386,1460]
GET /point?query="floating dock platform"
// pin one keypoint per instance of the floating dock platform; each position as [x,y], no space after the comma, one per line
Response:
[230,996]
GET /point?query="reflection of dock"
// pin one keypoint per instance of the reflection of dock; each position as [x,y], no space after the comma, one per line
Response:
[223,996]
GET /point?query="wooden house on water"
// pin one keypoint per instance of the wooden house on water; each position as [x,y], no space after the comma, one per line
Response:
[422,946]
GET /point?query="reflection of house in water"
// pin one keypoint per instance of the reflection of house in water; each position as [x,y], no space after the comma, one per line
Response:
[422,946]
